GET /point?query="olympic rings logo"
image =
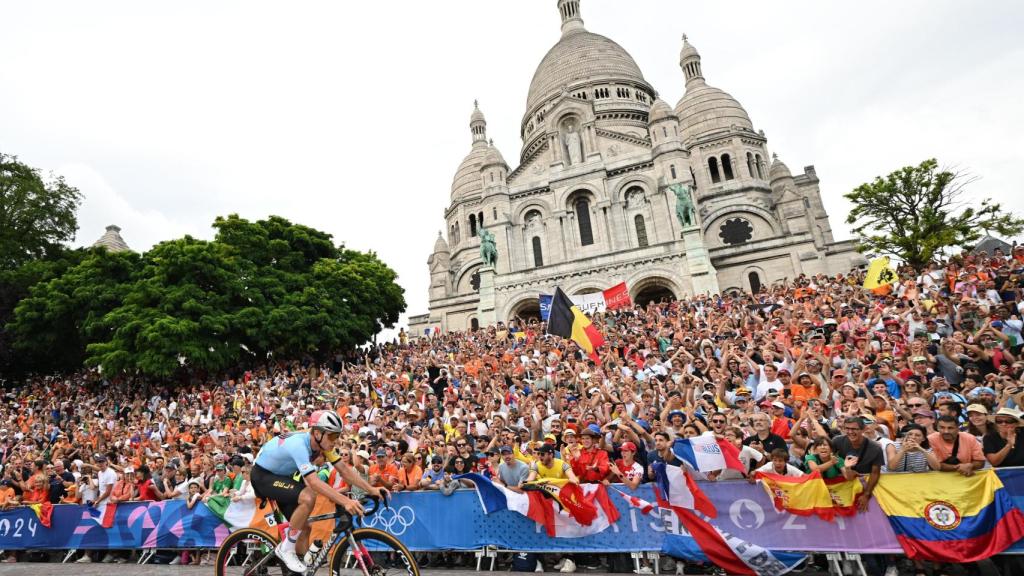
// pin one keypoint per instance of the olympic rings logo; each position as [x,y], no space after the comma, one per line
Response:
[393,520]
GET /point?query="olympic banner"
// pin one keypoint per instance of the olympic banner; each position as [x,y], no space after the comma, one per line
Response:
[423,521]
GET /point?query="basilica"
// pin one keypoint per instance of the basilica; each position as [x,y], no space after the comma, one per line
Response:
[614,185]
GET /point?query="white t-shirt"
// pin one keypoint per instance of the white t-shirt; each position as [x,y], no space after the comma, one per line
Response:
[790,470]
[105,479]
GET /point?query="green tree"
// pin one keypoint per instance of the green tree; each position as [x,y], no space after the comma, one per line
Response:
[917,211]
[53,324]
[179,312]
[259,288]
[37,217]
[15,285]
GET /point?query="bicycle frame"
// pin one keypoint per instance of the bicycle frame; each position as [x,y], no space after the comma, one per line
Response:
[361,555]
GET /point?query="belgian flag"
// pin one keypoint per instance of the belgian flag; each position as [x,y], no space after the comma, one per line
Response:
[567,321]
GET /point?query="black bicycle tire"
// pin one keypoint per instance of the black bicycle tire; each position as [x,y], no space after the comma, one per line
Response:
[338,553]
[233,539]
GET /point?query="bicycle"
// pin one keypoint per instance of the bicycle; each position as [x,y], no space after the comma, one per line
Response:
[250,551]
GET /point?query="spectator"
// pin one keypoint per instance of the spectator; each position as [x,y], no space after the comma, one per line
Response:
[911,453]
[779,464]
[956,451]
[1003,446]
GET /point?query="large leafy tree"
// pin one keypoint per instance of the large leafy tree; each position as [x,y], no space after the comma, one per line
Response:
[179,312]
[260,288]
[53,324]
[917,211]
[37,216]
[14,286]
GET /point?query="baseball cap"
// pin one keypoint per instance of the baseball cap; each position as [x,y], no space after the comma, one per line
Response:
[546,449]
[502,450]
[628,446]
[977,408]
[923,412]
[778,404]
[436,460]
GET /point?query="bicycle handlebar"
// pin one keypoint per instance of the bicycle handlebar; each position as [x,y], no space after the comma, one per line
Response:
[340,510]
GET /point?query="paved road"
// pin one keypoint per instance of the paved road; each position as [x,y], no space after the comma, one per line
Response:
[40,569]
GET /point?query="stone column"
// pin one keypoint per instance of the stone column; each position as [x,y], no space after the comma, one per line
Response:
[485,313]
[703,276]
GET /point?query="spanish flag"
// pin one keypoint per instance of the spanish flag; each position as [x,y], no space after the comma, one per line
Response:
[812,495]
[567,321]
[944,517]
[880,276]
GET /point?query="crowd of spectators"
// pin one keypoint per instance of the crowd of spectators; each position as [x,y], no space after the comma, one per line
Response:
[810,374]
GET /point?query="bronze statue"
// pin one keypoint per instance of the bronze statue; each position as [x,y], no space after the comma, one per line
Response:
[488,250]
[684,205]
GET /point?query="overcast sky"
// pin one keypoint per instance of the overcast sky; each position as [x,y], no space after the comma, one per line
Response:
[352,117]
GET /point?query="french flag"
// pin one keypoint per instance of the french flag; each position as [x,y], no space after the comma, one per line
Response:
[703,542]
[541,509]
[707,453]
[674,488]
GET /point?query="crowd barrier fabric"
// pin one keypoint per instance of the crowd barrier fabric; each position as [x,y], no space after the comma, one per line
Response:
[432,521]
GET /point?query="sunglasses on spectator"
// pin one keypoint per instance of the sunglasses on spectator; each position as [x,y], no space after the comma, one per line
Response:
[1005,421]
[916,405]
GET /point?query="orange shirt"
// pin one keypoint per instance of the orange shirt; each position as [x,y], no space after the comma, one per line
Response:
[7,496]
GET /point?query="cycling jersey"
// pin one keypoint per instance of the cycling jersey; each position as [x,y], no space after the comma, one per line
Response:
[289,452]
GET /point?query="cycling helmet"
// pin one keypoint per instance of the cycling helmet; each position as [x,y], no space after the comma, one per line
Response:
[326,420]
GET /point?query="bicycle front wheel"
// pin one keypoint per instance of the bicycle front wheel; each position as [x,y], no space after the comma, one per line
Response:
[373,553]
[249,552]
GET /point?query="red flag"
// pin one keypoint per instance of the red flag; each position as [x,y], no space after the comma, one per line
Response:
[44,512]
[617,297]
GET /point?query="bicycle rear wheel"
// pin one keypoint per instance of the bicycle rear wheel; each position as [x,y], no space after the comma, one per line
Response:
[249,552]
[382,555]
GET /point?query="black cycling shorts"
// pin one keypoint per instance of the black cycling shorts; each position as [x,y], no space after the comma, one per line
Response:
[284,490]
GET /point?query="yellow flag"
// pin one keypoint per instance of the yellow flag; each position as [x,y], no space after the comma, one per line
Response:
[880,274]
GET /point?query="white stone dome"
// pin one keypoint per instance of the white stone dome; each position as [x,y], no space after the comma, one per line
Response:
[493,156]
[467,177]
[440,246]
[705,109]
[580,56]
[659,111]
[778,169]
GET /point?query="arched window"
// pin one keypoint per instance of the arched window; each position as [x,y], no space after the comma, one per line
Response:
[755,282]
[750,165]
[672,170]
[727,166]
[538,254]
[472,224]
[458,233]
[641,231]
[757,162]
[480,219]
[713,168]
[494,214]
[474,324]
[583,217]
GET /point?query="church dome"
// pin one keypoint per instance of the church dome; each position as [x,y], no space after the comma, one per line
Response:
[659,111]
[440,246]
[493,156]
[705,108]
[778,169]
[467,177]
[580,56]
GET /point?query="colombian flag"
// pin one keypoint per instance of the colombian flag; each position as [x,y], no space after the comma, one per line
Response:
[945,517]
[567,321]
[812,495]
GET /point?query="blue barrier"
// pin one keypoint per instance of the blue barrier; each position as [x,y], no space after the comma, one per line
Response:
[431,521]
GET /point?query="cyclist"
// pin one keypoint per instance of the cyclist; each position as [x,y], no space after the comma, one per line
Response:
[285,459]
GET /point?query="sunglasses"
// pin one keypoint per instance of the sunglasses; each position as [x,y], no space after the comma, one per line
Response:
[718,421]
[916,405]
[1006,421]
